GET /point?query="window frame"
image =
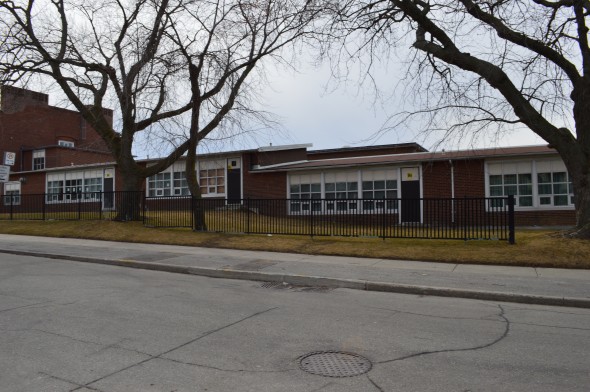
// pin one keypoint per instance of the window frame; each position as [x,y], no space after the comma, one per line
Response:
[538,166]
[38,160]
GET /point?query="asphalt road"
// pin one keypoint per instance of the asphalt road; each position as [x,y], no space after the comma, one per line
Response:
[70,326]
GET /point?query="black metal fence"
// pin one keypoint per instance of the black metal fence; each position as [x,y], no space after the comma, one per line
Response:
[459,218]
[73,206]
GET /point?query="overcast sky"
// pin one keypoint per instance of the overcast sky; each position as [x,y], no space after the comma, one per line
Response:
[313,110]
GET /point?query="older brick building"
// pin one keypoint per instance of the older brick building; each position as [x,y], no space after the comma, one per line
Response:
[59,155]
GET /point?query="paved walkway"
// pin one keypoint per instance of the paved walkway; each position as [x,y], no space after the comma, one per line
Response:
[548,286]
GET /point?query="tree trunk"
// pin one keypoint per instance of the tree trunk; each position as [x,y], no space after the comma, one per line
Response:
[129,200]
[581,182]
[198,208]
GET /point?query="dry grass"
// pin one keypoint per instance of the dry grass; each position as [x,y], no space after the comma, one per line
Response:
[533,248]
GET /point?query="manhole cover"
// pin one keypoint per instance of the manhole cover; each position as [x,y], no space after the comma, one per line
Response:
[334,364]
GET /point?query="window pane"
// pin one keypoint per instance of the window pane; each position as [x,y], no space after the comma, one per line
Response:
[379,195]
[316,187]
[544,178]
[525,189]
[391,184]
[510,190]
[379,184]
[510,179]
[545,189]
[305,187]
[525,179]
[560,177]
[295,188]
[560,200]
[525,201]
[330,187]
[496,191]
[560,189]
[545,200]
[367,185]
[495,180]
[367,195]
[353,186]
[340,186]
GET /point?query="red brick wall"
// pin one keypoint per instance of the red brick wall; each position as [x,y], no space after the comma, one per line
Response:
[262,185]
[469,179]
[545,218]
[36,125]
[436,180]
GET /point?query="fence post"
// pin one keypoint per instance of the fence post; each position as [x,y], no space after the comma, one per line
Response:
[464,218]
[383,219]
[43,206]
[248,215]
[100,205]
[511,239]
[311,218]
[144,207]
[11,206]
[79,206]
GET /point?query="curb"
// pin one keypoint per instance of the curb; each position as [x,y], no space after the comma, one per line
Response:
[321,281]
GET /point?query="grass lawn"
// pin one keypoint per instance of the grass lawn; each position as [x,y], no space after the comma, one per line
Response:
[539,248]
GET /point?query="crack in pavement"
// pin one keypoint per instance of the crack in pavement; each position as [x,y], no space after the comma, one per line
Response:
[226,370]
[375,384]
[68,381]
[506,330]
[204,335]
[395,311]
[25,306]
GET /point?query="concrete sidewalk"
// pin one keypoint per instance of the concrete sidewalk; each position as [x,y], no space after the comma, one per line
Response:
[547,286]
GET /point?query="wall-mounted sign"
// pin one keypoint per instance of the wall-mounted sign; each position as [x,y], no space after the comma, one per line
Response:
[9,158]
[4,173]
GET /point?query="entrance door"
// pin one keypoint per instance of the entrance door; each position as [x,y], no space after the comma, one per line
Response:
[108,198]
[234,181]
[410,196]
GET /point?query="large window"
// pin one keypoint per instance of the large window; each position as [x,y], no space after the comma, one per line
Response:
[38,159]
[11,193]
[536,183]
[352,191]
[377,186]
[341,191]
[212,181]
[55,190]
[172,182]
[180,184]
[554,185]
[519,185]
[75,185]
[159,185]
[304,189]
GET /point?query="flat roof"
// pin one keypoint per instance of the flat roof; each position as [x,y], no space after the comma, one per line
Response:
[495,152]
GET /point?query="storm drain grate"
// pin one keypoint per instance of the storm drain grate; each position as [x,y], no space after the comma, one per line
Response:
[291,287]
[335,364]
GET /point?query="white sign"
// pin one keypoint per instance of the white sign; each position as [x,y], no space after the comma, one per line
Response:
[9,158]
[4,173]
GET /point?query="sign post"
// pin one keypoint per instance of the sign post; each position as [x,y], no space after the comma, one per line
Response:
[9,158]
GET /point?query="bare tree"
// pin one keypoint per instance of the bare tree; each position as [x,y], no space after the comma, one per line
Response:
[153,60]
[495,63]
[231,38]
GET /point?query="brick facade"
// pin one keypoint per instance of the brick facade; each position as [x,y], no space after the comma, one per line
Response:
[28,122]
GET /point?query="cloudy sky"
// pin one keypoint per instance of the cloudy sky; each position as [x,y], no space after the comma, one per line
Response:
[313,109]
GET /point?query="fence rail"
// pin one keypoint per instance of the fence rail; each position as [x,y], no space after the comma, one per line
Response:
[72,206]
[458,218]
